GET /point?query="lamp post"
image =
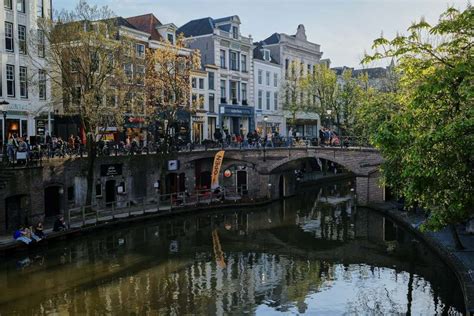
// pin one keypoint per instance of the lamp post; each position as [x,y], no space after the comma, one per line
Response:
[4,131]
[265,119]
[329,112]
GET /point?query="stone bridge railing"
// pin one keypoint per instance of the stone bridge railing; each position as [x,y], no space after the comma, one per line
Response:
[360,161]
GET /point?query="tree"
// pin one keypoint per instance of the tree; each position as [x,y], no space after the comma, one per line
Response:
[427,139]
[87,57]
[168,91]
[293,91]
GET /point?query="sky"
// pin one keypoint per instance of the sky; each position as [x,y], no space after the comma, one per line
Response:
[343,28]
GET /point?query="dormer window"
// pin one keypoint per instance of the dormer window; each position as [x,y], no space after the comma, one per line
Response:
[170,38]
[235,32]
[266,55]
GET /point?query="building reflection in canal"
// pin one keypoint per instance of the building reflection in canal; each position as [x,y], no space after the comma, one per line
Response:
[314,253]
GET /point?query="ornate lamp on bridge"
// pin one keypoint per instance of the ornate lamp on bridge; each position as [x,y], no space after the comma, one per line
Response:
[4,103]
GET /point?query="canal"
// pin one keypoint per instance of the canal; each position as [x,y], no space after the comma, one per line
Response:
[315,253]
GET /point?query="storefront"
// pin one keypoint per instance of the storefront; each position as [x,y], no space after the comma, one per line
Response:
[271,124]
[235,119]
[306,124]
[198,128]
[180,128]
[134,128]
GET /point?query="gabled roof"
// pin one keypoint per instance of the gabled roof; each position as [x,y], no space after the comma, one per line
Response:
[146,23]
[258,54]
[207,25]
[272,39]
[197,27]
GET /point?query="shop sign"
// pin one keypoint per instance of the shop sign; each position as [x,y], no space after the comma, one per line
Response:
[227,173]
[111,170]
[198,119]
[238,111]
[40,127]
[16,107]
[173,165]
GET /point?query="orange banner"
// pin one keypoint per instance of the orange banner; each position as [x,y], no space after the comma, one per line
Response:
[216,168]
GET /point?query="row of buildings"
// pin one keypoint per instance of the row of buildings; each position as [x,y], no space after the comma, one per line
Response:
[240,81]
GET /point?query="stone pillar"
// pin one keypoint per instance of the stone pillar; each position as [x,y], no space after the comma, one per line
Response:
[369,189]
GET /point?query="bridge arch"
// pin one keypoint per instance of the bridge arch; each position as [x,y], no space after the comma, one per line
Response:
[292,162]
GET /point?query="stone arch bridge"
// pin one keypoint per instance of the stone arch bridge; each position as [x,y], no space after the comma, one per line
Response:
[271,163]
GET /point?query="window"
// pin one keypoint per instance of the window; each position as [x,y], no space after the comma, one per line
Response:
[41,44]
[222,58]
[20,6]
[309,69]
[8,4]
[267,76]
[98,189]
[268,100]
[193,83]
[275,100]
[128,71]
[223,92]
[23,82]
[9,45]
[235,32]
[140,74]
[260,76]
[42,84]
[22,39]
[266,55]
[170,38]
[275,80]
[111,98]
[244,91]
[10,80]
[233,91]
[260,99]
[211,81]
[287,64]
[39,9]
[75,64]
[201,83]
[76,96]
[234,65]
[301,68]
[140,50]
[243,60]
[201,101]
[211,102]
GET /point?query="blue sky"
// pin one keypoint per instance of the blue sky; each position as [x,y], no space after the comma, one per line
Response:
[343,28]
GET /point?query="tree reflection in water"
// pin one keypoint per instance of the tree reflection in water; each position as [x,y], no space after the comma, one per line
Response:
[315,253]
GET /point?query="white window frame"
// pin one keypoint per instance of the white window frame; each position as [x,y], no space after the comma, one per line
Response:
[260,99]
[139,52]
[23,78]
[267,78]
[9,36]
[268,100]
[11,80]
[260,76]
[275,80]
[22,44]
[42,84]
[275,101]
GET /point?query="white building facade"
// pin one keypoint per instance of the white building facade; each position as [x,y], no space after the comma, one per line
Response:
[288,49]
[223,47]
[23,80]
[269,116]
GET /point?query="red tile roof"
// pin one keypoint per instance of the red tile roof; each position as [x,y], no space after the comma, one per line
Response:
[146,23]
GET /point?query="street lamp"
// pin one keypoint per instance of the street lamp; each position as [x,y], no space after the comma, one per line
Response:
[329,112]
[4,137]
[265,119]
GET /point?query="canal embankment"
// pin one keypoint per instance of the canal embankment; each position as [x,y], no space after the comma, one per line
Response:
[442,243]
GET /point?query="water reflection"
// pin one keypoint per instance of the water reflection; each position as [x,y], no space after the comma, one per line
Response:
[315,253]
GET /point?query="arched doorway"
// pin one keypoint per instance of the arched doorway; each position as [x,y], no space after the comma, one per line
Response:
[204,181]
[242,186]
[52,201]
[16,211]
[110,192]
[175,183]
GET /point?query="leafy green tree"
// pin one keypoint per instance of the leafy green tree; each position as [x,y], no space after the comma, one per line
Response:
[425,131]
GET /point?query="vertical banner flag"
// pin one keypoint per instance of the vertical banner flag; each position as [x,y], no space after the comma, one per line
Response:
[216,168]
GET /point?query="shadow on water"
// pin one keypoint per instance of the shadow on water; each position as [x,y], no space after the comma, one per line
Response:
[315,253]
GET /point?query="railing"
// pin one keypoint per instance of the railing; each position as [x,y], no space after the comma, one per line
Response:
[91,215]
[35,157]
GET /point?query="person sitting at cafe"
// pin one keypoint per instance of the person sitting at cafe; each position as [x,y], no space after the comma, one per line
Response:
[59,224]
[39,230]
[21,235]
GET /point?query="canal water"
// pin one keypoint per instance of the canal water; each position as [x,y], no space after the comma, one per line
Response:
[314,254]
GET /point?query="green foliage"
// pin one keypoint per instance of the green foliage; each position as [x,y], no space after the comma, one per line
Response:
[425,129]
